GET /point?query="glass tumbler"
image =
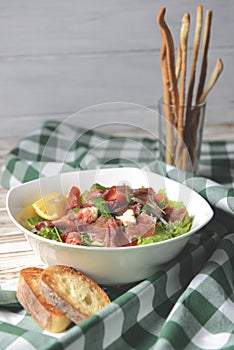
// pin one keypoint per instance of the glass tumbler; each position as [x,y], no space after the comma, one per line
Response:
[180,134]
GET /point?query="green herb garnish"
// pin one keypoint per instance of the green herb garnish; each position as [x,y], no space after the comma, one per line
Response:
[97,186]
[128,197]
[94,187]
[50,233]
[84,197]
[32,221]
[86,240]
[101,204]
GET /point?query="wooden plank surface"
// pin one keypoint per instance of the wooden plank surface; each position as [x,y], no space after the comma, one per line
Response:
[15,251]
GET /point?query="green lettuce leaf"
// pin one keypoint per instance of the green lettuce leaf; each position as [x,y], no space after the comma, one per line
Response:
[168,231]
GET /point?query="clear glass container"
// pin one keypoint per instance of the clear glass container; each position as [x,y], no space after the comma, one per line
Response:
[180,134]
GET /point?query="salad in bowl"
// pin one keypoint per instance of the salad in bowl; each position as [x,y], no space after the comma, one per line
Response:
[116,225]
[104,216]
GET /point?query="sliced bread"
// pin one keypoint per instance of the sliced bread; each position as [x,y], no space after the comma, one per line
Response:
[72,292]
[28,294]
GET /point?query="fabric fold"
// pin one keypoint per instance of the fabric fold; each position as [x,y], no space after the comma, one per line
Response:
[189,304]
[59,147]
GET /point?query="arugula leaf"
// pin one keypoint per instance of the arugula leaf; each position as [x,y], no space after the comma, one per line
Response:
[97,186]
[128,197]
[84,196]
[32,221]
[94,187]
[101,204]
[153,208]
[86,240]
[145,207]
[50,233]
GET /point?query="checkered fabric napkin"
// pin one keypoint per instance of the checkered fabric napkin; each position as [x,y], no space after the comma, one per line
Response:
[59,147]
[189,305]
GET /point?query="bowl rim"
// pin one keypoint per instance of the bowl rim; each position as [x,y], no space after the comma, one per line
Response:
[96,248]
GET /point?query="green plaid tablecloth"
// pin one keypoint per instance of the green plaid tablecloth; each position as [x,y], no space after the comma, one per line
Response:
[188,305]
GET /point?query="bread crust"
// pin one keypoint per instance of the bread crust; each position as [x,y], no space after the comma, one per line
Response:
[57,295]
[72,292]
[28,294]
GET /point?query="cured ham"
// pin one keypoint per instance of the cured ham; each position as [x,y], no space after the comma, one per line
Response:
[116,216]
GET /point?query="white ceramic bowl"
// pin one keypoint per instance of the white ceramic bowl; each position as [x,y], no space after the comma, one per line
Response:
[108,266]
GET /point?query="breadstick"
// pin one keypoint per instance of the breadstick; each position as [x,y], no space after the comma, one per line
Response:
[206,40]
[167,37]
[213,78]
[196,44]
[183,43]
[167,103]
[184,32]
[165,77]
[178,63]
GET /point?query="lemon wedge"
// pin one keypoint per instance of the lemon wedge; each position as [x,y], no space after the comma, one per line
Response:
[51,206]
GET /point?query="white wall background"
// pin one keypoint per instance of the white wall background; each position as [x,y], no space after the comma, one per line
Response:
[59,56]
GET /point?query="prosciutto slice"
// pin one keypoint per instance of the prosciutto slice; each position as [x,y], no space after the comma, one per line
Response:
[144,227]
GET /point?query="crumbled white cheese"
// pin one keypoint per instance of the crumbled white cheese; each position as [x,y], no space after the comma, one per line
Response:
[94,212]
[127,218]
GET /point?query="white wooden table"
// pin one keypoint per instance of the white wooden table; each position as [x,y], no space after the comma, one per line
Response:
[15,252]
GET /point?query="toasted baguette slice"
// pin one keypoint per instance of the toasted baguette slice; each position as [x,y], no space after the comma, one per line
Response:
[29,296]
[72,292]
